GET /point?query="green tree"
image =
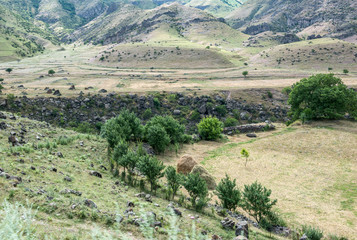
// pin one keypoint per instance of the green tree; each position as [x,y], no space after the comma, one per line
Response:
[256,201]
[196,188]
[244,153]
[245,73]
[51,72]
[8,70]
[210,128]
[321,96]
[173,180]
[157,138]
[125,126]
[345,71]
[1,88]
[120,150]
[228,193]
[173,128]
[231,122]
[152,168]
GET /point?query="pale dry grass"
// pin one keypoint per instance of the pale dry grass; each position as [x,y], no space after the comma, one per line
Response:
[311,170]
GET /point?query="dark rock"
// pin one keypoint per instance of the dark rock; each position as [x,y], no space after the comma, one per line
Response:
[96,174]
[102,91]
[157,224]
[12,117]
[59,154]
[72,87]
[228,223]
[68,179]
[130,204]
[3,126]
[216,237]
[242,229]
[70,191]
[90,203]
[148,198]
[33,168]
[2,115]
[57,93]
[177,112]
[251,135]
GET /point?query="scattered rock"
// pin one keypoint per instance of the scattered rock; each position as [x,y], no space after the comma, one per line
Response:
[57,93]
[177,112]
[186,164]
[70,191]
[3,126]
[148,198]
[228,223]
[130,204]
[242,229]
[2,115]
[72,87]
[251,135]
[304,237]
[95,174]
[216,237]
[102,91]
[68,179]
[59,154]
[90,203]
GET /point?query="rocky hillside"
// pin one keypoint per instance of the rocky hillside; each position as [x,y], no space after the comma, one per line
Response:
[307,17]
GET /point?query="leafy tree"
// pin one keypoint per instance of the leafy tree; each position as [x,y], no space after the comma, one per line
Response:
[245,73]
[210,128]
[8,70]
[173,128]
[1,88]
[173,180]
[152,168]
[345,71]
[228,193]
[256,201]
[196,187]
[245,154]
[157,138]
[321,96]
[123,127]
[120,150]
[221,110]
[51,72]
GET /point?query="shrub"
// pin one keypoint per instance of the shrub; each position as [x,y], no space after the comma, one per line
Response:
[195,116]
[196,187]
[245,154]
[286,90]
[228,193]
[8,70]
[172,127]
[221,110]
[312,233]
[210,128]
[256,201]
[245,73]
[152,169]
[270,95]
[231,122]
[173,180]
[322,96]
[51,72]
[157,138]
[147,114]
[345,71]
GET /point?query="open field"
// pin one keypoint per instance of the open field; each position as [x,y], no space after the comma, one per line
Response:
[311,170]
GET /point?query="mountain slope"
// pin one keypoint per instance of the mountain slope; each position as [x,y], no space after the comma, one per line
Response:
[307,17]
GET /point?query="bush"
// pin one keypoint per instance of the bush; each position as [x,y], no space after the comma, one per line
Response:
[228,193]
[221,110]
[256,201]
[196,187]
[173,128]
[157,138]
[245,73]
[152,169]
[322,96]
[231,122]
[120,150]
[312,233]
[147,114]
[345,71]
[286,90]
[210,128]
[51,72]
[195,116]
[173,180]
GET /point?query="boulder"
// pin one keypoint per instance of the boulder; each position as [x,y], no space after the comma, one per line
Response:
[242,229]
[186,164]
[211,183]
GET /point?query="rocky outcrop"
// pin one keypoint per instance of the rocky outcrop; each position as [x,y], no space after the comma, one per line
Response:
[205,175]
[186,164]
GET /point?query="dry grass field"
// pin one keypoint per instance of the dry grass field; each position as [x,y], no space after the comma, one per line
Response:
[311,170]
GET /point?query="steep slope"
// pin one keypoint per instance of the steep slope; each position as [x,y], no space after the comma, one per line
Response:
[307,17]
[20,37]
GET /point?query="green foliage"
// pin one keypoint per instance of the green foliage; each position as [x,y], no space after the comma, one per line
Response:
[221,110]
[256,201]
[1,88]
[173,128]
[195,115]
[125,126]
[120,150]
[152,168]
[245,73]
[51,72]
[9,70]
[228,193]
[16,222]
[321,96]
[272,219]
[11,100]
[270,95]
[286,90]
[210,128]
[345,71]
[244,153]
[157,137]
[312,233]
[231,122]
[147,114]
[173,180]
[196,187]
